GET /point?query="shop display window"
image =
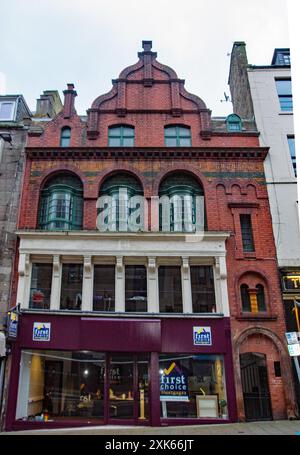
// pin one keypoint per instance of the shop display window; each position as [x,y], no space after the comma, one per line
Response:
[58,385]
[64,385]
[192,386]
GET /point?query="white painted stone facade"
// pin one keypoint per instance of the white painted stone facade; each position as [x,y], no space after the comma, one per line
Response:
[149,249]
[274,126]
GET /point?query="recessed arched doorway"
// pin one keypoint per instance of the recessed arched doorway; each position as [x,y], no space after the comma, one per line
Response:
[256,393]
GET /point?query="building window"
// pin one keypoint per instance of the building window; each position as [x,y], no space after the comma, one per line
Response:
[61,385]
[71,287]
[291,142]
[246,306]
[170,292]
[178,136]
[40,288]
[261,297]
[135,288]
[121,136]
[181,200]
[7,110]
[104,288]
[281,57]
[284,90]
[65,136]
[192,386]
[61,204]
[277,369]
[121,204]
[203,292]
[253,300]
[233,123]
[247,234]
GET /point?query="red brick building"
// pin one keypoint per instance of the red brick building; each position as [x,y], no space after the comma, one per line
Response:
[129,311]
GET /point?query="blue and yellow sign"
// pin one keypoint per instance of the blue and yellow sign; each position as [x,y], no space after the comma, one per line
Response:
[202,336]
[41,331]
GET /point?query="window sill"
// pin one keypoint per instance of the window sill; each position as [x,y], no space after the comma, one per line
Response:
[124,315]
[256,317]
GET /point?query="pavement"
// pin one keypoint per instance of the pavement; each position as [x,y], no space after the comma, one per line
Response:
[279,427]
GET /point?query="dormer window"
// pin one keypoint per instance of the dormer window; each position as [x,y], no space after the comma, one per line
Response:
[234,123]
[7,110]
[65,136]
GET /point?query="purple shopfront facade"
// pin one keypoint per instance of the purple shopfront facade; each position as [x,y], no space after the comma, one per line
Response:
[152,336]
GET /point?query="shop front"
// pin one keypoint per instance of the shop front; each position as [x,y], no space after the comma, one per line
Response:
[77,371]
[290,284]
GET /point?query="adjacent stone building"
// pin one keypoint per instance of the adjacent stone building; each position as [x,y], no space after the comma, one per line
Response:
[15,120]
[148,290]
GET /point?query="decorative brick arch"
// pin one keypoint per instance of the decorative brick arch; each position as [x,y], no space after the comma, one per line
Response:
[290,398]
[126,169]
[60,170]
[188,169]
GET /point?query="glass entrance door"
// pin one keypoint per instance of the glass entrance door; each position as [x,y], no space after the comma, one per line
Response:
[128,388]
[121,391]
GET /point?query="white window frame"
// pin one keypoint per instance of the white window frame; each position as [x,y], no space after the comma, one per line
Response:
[12,116]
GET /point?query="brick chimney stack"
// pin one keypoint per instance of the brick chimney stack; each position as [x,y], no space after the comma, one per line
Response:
[69,101]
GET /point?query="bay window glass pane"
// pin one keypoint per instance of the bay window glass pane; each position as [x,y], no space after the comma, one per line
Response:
[71,287]
[170,292]
[203,292]
[192,386]
[135,288]
[104,288]
[40,289]
[61,385]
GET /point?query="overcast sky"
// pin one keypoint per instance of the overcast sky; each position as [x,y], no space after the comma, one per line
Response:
[44,44]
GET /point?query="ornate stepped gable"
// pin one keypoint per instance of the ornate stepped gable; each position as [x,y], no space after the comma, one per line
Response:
[148,74]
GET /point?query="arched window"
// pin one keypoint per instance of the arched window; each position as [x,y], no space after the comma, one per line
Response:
[246,305]
[181,204]
[233,123]
[121,204]
[61,203]
[121,136]
[65,136]
[178,136]
[261,297]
